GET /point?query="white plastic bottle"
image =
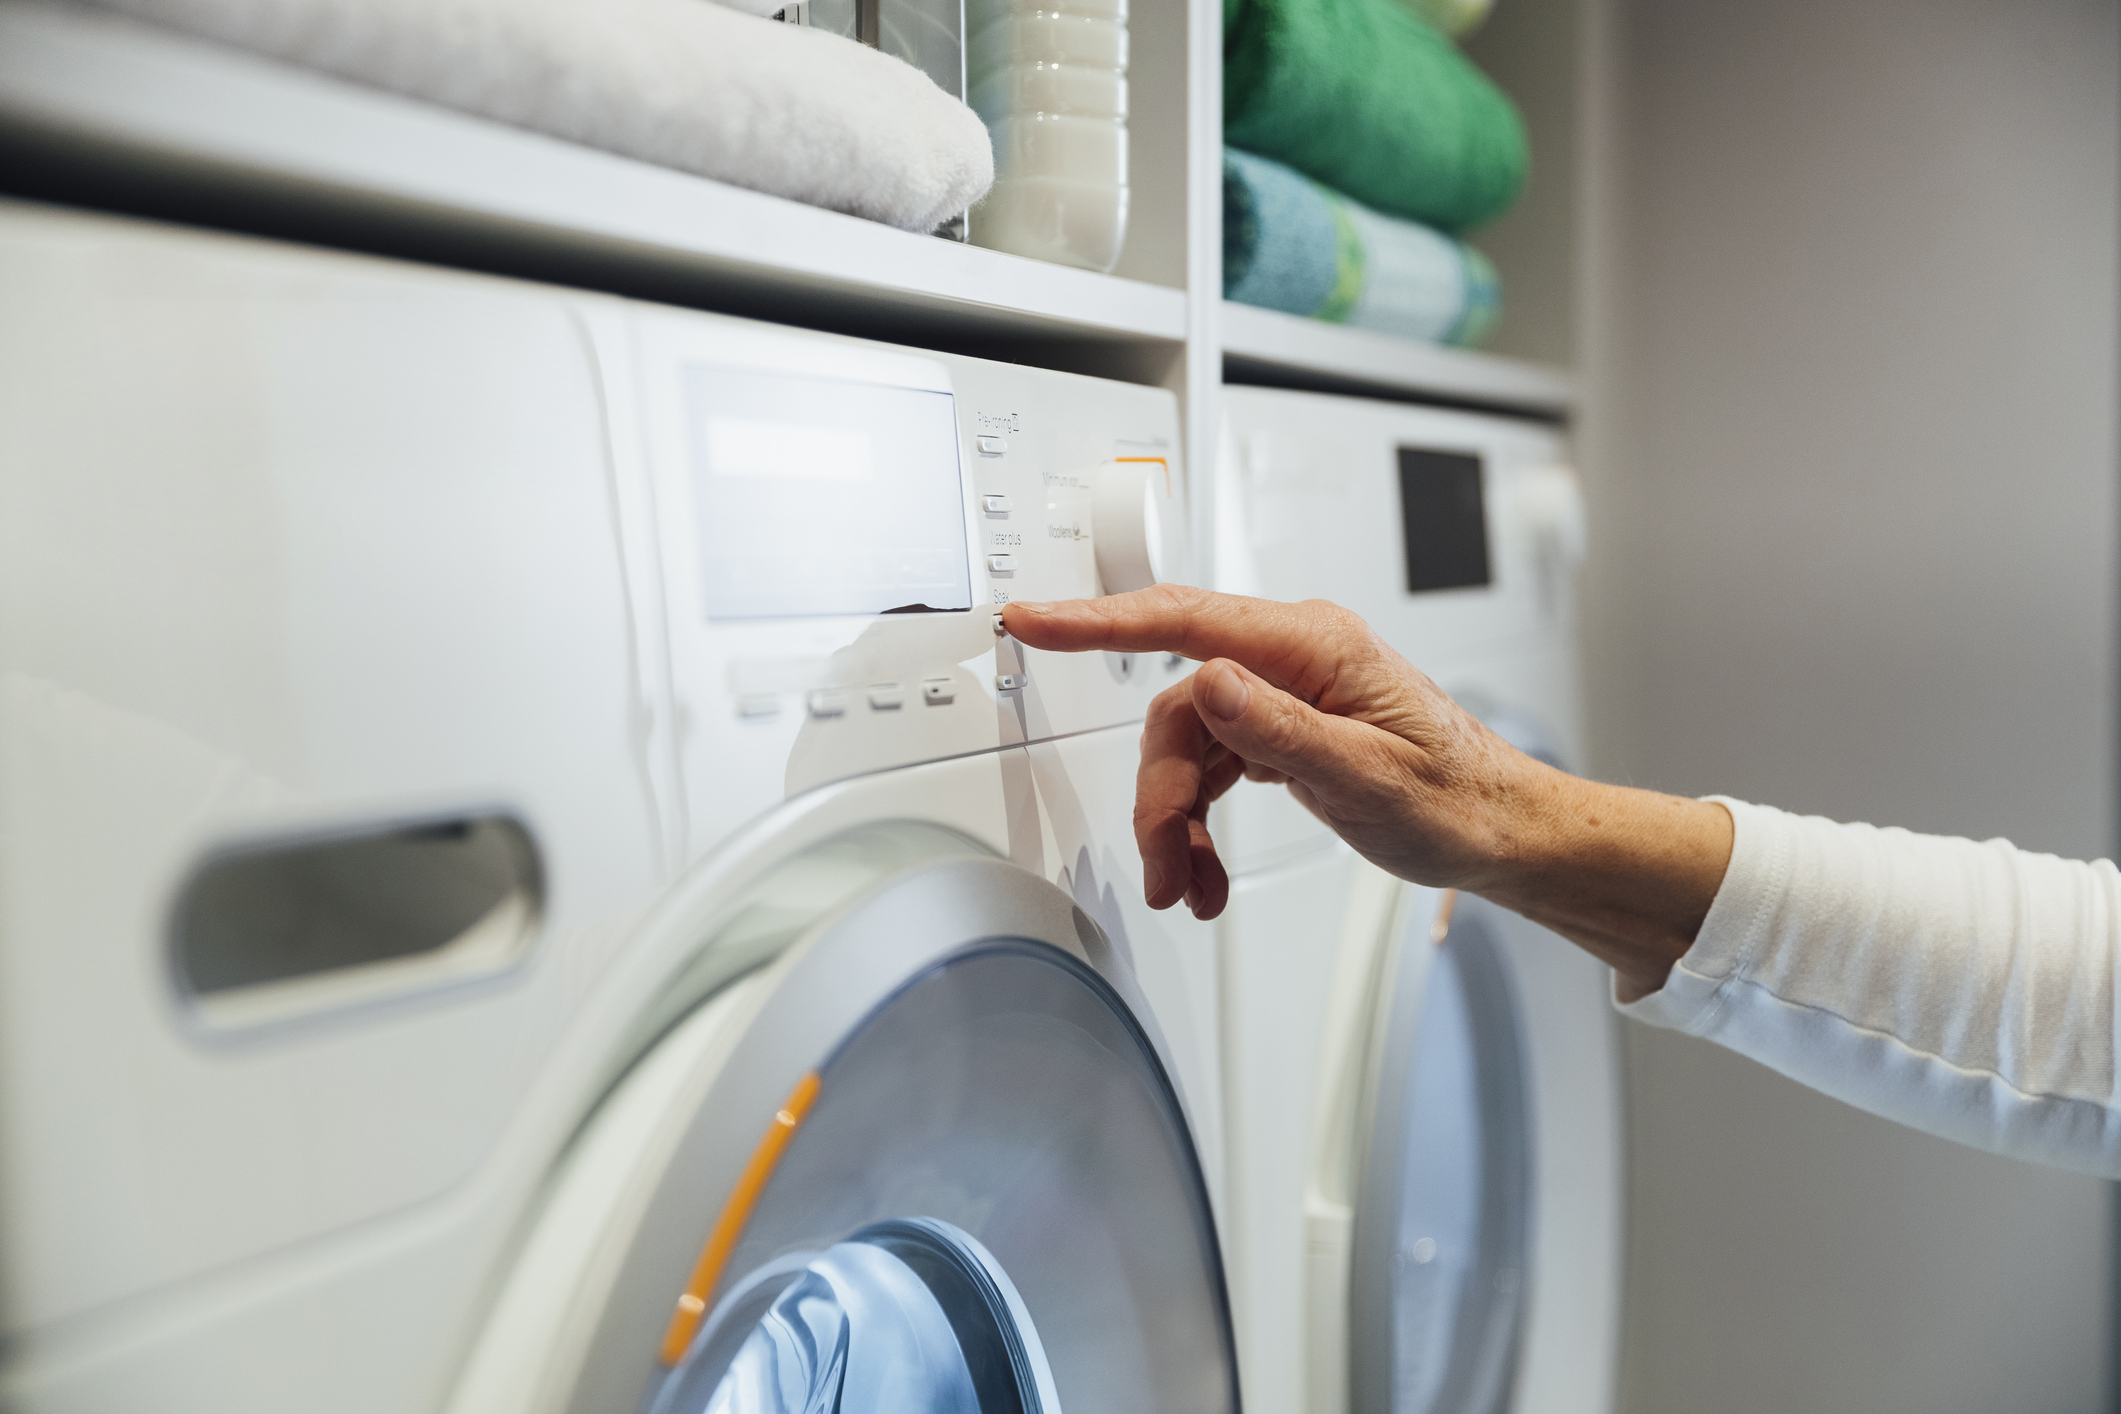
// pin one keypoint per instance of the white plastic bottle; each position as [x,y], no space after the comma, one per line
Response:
[1049,78]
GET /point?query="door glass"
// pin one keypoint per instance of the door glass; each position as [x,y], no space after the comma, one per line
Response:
[992,1206]
[1458,1177]
[901,1316]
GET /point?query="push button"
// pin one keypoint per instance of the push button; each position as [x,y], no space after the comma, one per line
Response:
[828,702]
[759,704]
[992,446]
[996,505]
[937,692]
[886,697]
[1002,564]
[1011,682]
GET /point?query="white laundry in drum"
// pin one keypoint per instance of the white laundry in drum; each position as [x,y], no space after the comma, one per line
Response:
[882,1321]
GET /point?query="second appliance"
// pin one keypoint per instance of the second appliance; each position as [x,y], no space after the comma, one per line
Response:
[1423,1091]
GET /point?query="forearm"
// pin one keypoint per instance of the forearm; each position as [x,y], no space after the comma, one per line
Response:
[1965,989]
[1628,875]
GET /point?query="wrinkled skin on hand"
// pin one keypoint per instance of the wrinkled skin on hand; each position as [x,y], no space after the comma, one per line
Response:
[1308,696]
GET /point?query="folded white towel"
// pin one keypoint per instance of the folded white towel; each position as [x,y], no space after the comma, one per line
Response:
[777,108]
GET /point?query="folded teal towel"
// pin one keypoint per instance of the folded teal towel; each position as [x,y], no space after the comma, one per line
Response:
[1292,245]
[1365,96]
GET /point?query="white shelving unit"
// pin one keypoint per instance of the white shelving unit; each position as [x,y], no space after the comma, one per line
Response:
[97,86]
[110,111]
[1264,346]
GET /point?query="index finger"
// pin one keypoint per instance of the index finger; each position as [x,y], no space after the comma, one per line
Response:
[1294,646]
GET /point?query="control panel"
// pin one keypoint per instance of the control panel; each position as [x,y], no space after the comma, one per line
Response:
[835,525]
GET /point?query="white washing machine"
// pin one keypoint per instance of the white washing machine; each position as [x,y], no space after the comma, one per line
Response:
[1424,1141]
[531,880]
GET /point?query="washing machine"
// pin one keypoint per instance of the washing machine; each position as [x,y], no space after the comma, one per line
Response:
[532,879]
[1423,1092]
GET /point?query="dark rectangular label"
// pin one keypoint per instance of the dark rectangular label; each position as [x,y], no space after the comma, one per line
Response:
[1445,519]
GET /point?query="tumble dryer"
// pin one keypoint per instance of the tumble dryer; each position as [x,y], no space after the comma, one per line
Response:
[532,879]
[1422,1090]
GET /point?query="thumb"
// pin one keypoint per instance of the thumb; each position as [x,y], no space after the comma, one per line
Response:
[1269,727]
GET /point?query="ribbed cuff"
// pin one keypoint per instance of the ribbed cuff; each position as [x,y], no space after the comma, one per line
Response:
[1737,926]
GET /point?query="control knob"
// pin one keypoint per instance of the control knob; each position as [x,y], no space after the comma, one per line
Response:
[1550,508]
[1550,515]
[1135,524]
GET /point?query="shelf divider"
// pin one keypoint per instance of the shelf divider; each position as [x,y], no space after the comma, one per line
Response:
[1266,346]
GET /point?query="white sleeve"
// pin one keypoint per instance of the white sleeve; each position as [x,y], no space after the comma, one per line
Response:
[1964,989]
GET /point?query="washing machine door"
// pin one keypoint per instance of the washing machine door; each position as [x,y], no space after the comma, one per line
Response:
[928,1158]
[1443,1223]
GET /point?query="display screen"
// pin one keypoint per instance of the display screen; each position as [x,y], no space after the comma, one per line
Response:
[818,497]
[1446,523]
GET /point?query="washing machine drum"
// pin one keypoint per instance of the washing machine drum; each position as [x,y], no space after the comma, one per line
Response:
[992,1196]
[983,1199]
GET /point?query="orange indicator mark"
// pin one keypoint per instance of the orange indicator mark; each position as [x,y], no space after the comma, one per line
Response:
[729,1226]
[1440,929]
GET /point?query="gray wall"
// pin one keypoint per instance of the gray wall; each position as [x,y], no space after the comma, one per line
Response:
[1532,48]
[1852,346]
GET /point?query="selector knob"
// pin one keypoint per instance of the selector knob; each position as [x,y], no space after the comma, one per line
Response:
[1135,524]
[1550,508]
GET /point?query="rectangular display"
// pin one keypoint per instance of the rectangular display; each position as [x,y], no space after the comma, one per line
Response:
[1445,519]
[818,497]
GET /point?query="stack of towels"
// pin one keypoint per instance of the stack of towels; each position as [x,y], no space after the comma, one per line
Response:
[1359,143]
[791,111]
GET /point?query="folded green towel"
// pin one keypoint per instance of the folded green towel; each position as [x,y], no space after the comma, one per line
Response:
[1369,99]
[1289,244]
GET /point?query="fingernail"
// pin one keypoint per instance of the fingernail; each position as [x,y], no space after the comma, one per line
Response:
[1152,880]
[1227,695]
[1031,606]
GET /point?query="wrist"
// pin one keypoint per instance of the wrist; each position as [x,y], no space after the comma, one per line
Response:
[1520,832]
[1627,874]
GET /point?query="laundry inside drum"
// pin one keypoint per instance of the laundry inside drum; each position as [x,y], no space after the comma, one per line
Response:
[910,1314]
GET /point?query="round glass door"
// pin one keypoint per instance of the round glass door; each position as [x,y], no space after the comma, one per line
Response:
[992,1206]
[1444,1235]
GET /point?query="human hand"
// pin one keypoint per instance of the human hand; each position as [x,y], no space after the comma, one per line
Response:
[1308,695]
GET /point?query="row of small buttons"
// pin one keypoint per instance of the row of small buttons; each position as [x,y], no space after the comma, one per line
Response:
[1000,507]
[828,702]
[883,697]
